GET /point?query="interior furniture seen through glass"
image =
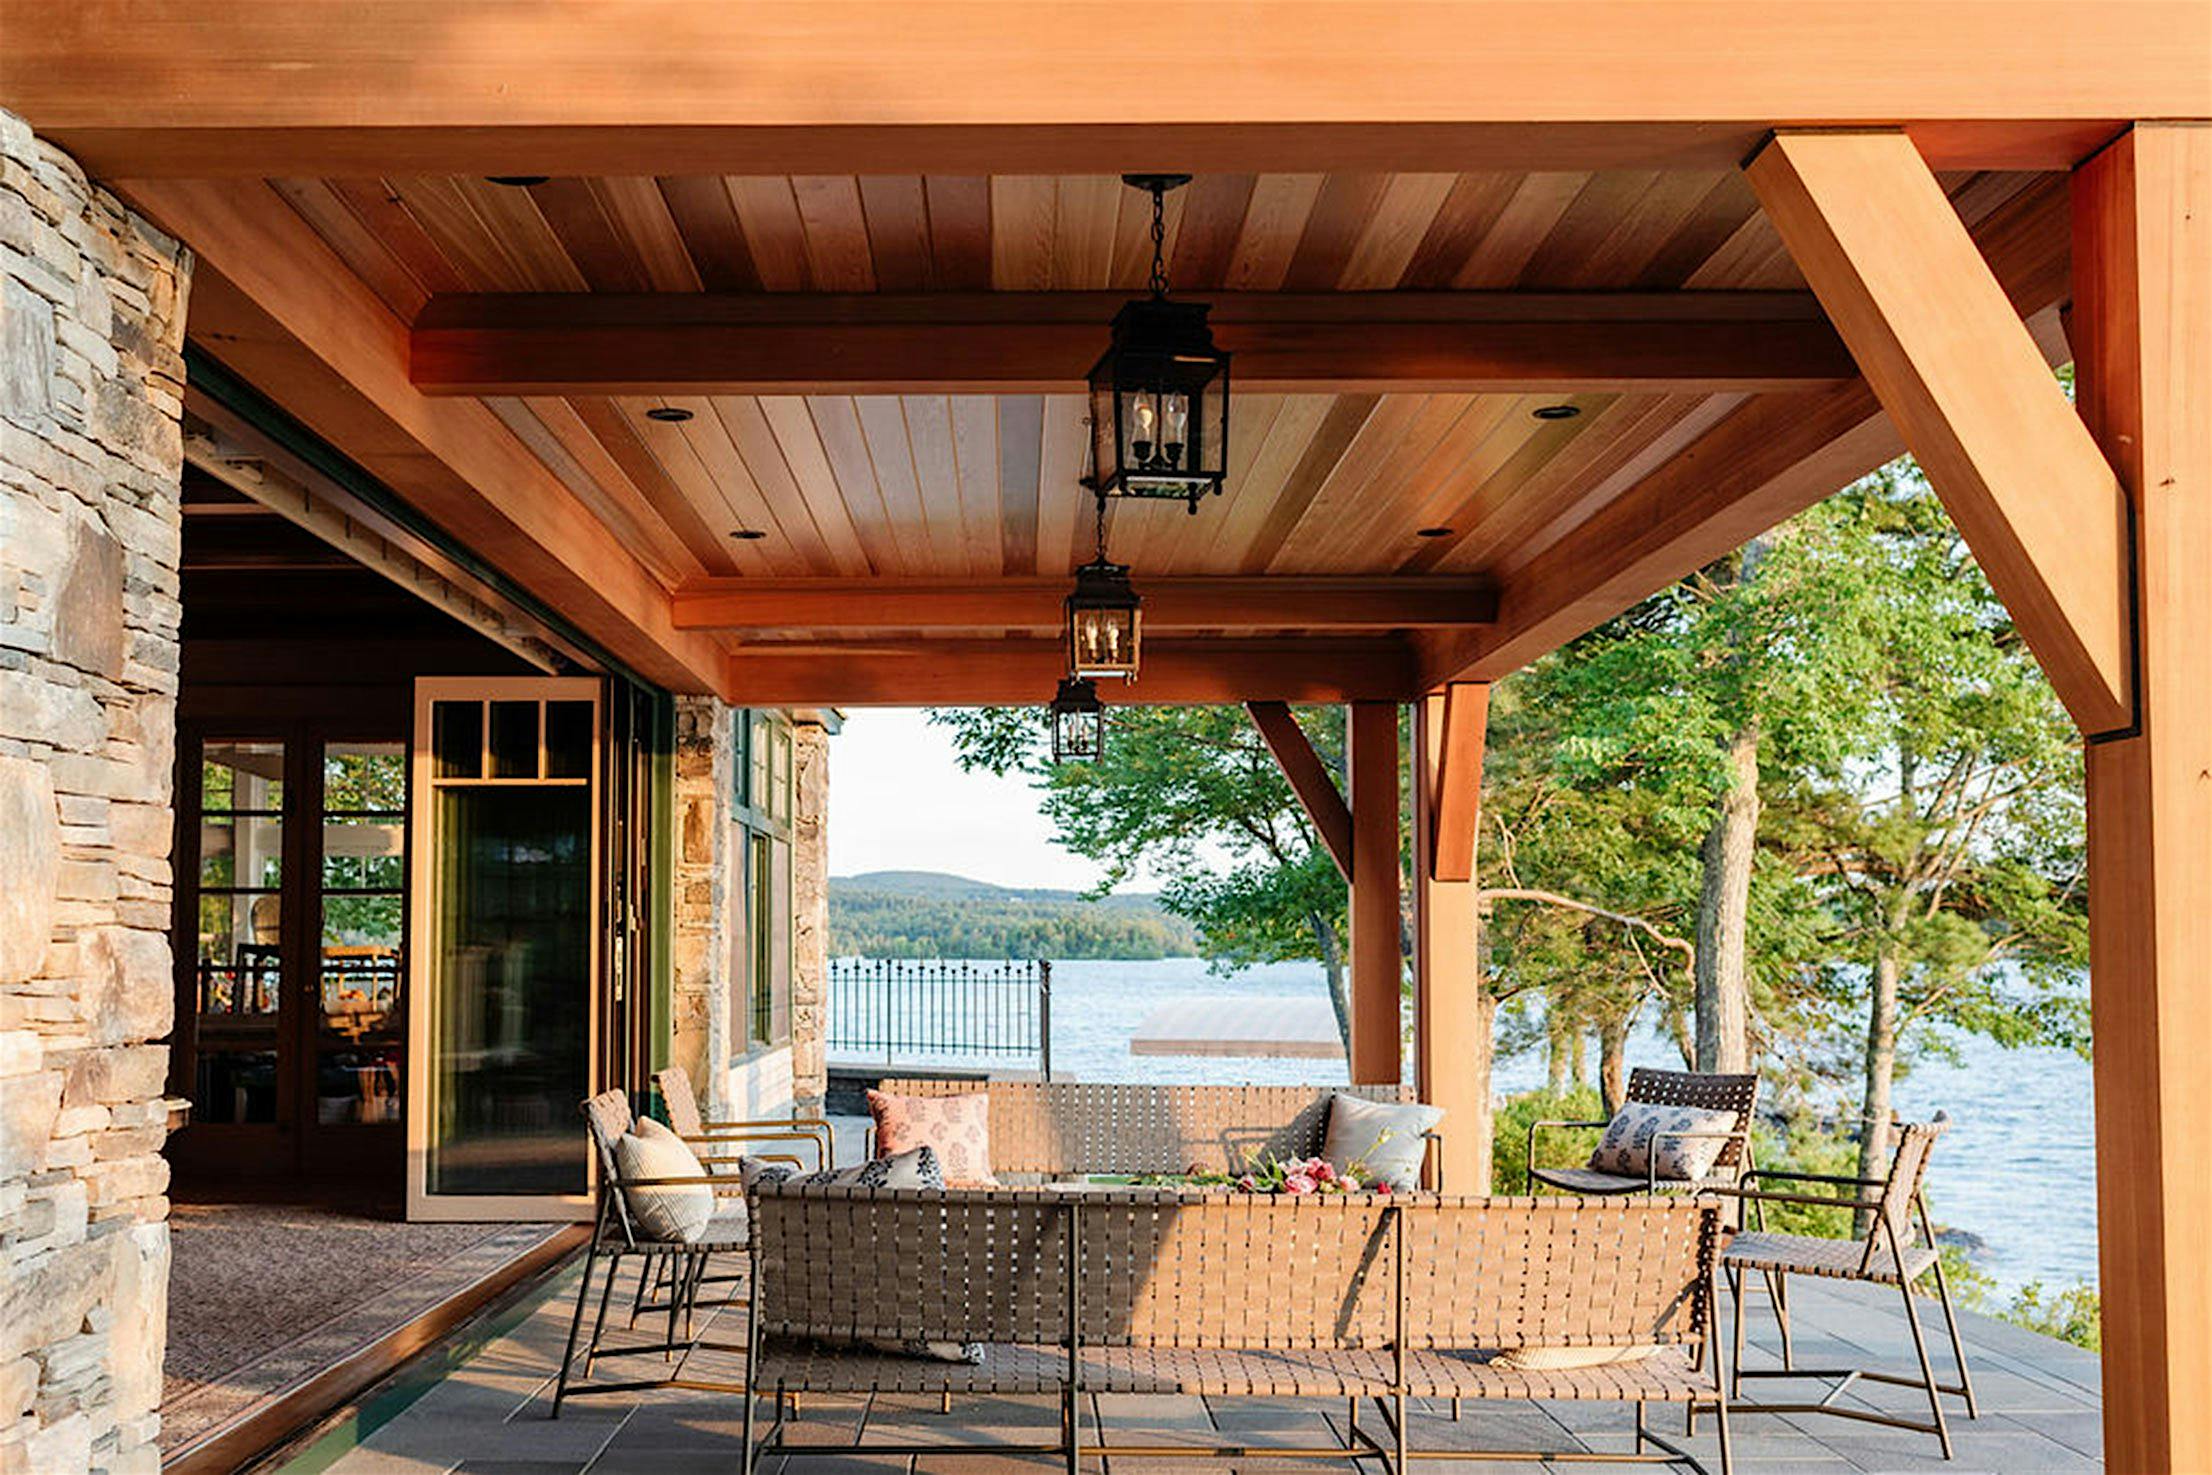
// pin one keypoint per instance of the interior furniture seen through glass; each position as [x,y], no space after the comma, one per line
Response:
[239,981]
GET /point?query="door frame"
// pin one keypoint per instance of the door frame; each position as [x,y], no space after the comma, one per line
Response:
[423,949]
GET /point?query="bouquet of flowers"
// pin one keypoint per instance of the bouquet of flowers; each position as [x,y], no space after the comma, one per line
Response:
[1295,1175]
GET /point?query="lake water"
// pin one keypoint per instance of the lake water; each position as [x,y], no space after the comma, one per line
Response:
[2017,1169]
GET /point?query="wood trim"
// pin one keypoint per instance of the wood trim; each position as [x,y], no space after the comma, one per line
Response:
[1046,342]
[1451,1030]
[1377,941]
[1023,672]
[1966,385]
[274,303]
[1773,457]
[207,87]
[1347,603]
[236,1444]
[1309,779]
[2142,326]
[1456,733]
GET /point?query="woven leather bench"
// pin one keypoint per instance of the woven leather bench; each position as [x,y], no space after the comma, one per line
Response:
[1042,1130]
[1163,1291]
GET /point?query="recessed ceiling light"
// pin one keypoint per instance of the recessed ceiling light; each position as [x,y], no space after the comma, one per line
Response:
[1433,533]
[517,181]
[668,414]
[1557,412]
[748,535]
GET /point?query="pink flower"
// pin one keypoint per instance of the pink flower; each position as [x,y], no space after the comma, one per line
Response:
[1351,1182]
[1249,1183]
[1382,1188]
[1320,1171]
[1297,1183]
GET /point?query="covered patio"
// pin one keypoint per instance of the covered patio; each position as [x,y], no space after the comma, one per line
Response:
[752,340]
[2040,1415]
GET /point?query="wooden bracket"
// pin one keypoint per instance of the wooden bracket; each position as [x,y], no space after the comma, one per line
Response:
[1309,779]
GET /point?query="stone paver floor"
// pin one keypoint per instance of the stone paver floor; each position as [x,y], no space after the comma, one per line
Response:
[487,1416]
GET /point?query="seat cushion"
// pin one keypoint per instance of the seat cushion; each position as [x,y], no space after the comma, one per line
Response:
[958,1128]
[1806,1254]
[1381,1141]
[674,1213]
[1641,1129]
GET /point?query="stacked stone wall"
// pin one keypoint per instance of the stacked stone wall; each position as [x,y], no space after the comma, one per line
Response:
[91,384]
[809,914]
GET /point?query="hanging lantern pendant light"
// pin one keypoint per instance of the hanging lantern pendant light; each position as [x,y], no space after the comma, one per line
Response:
[1078,722]
[1160,393]
[1105,618]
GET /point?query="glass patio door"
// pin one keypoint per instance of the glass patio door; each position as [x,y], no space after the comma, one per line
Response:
[502,1022]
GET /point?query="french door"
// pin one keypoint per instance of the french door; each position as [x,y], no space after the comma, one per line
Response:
[290,940]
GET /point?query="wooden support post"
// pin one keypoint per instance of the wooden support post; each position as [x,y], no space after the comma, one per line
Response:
[1949,360]
[1378,955]
[1309,779]
[1452,1011]
[2142,332]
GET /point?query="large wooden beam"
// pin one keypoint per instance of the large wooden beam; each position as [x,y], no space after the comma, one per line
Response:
[1309,779]
[1377,941]
[1454,1014]
[197,88]
[1345,603]
[1045,342]
[275,304]
[2142,327]
[1023,672]
[1773,457]
[1947,357]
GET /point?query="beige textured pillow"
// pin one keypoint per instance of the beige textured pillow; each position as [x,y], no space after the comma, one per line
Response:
[957,1128]
[1562,1359]
[1384,1141]
[672,1213]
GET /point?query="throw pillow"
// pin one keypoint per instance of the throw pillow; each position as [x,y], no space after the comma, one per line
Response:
[1627,1145]
[1557,1359]
[1381,1141]
[674,1213]
[958,1127]
[916,1168]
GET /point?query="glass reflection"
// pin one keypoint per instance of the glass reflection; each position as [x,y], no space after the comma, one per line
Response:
[357,1070]
[238,962]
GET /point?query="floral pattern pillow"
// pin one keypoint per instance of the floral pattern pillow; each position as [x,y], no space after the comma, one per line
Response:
[957,1127]
[1627,1145]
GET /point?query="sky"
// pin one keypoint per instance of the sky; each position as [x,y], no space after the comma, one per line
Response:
[899,802]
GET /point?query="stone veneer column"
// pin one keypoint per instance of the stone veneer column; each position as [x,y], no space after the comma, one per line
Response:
[809,913]
[91,380]
[705,890]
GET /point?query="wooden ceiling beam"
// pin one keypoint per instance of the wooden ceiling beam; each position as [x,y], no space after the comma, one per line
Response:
[277,306]
[1309,778]
[1773,457]
[1046,342]
[1944,352]
[202,88]
[1024,672]
[1349,603]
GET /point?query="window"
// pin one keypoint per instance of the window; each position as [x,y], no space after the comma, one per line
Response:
[760,947]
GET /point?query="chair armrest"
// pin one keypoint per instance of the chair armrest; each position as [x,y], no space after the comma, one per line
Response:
[1816,1178]
[1758,1196]
[812,1139]
[1534,1128]
[1651,1154]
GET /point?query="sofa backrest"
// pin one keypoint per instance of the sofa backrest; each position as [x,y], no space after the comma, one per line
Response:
[1057,1128]
[1185,1269]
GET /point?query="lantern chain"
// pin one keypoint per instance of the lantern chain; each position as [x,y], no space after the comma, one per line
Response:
[1159,238]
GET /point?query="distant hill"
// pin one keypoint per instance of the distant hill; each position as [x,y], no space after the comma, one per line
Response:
[930,914]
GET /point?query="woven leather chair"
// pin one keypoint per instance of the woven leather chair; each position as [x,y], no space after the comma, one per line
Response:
[1738,1094]
[1889,1255]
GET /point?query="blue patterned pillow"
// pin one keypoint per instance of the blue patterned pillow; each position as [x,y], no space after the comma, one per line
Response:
[1627,1146]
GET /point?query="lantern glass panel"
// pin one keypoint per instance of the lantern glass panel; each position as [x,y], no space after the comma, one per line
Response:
[1103,642]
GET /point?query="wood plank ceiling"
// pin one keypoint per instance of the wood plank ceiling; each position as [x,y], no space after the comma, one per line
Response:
[976,486]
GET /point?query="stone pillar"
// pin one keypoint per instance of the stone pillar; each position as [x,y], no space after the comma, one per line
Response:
[706,889]
[91,385]
[810,737]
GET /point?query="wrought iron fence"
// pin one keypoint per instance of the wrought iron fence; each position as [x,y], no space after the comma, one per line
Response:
[921,1009]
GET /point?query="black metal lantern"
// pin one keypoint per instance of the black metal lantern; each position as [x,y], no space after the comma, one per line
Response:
[1104,615]
[1078,722]
[1160,393]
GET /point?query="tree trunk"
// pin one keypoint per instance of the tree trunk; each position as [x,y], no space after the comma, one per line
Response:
[1678,1030]
[1881,1070]
[1332,965]
[1723,914]
[1579,1059]
[1613,1060]
[1481,1129]
[1556,1034]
